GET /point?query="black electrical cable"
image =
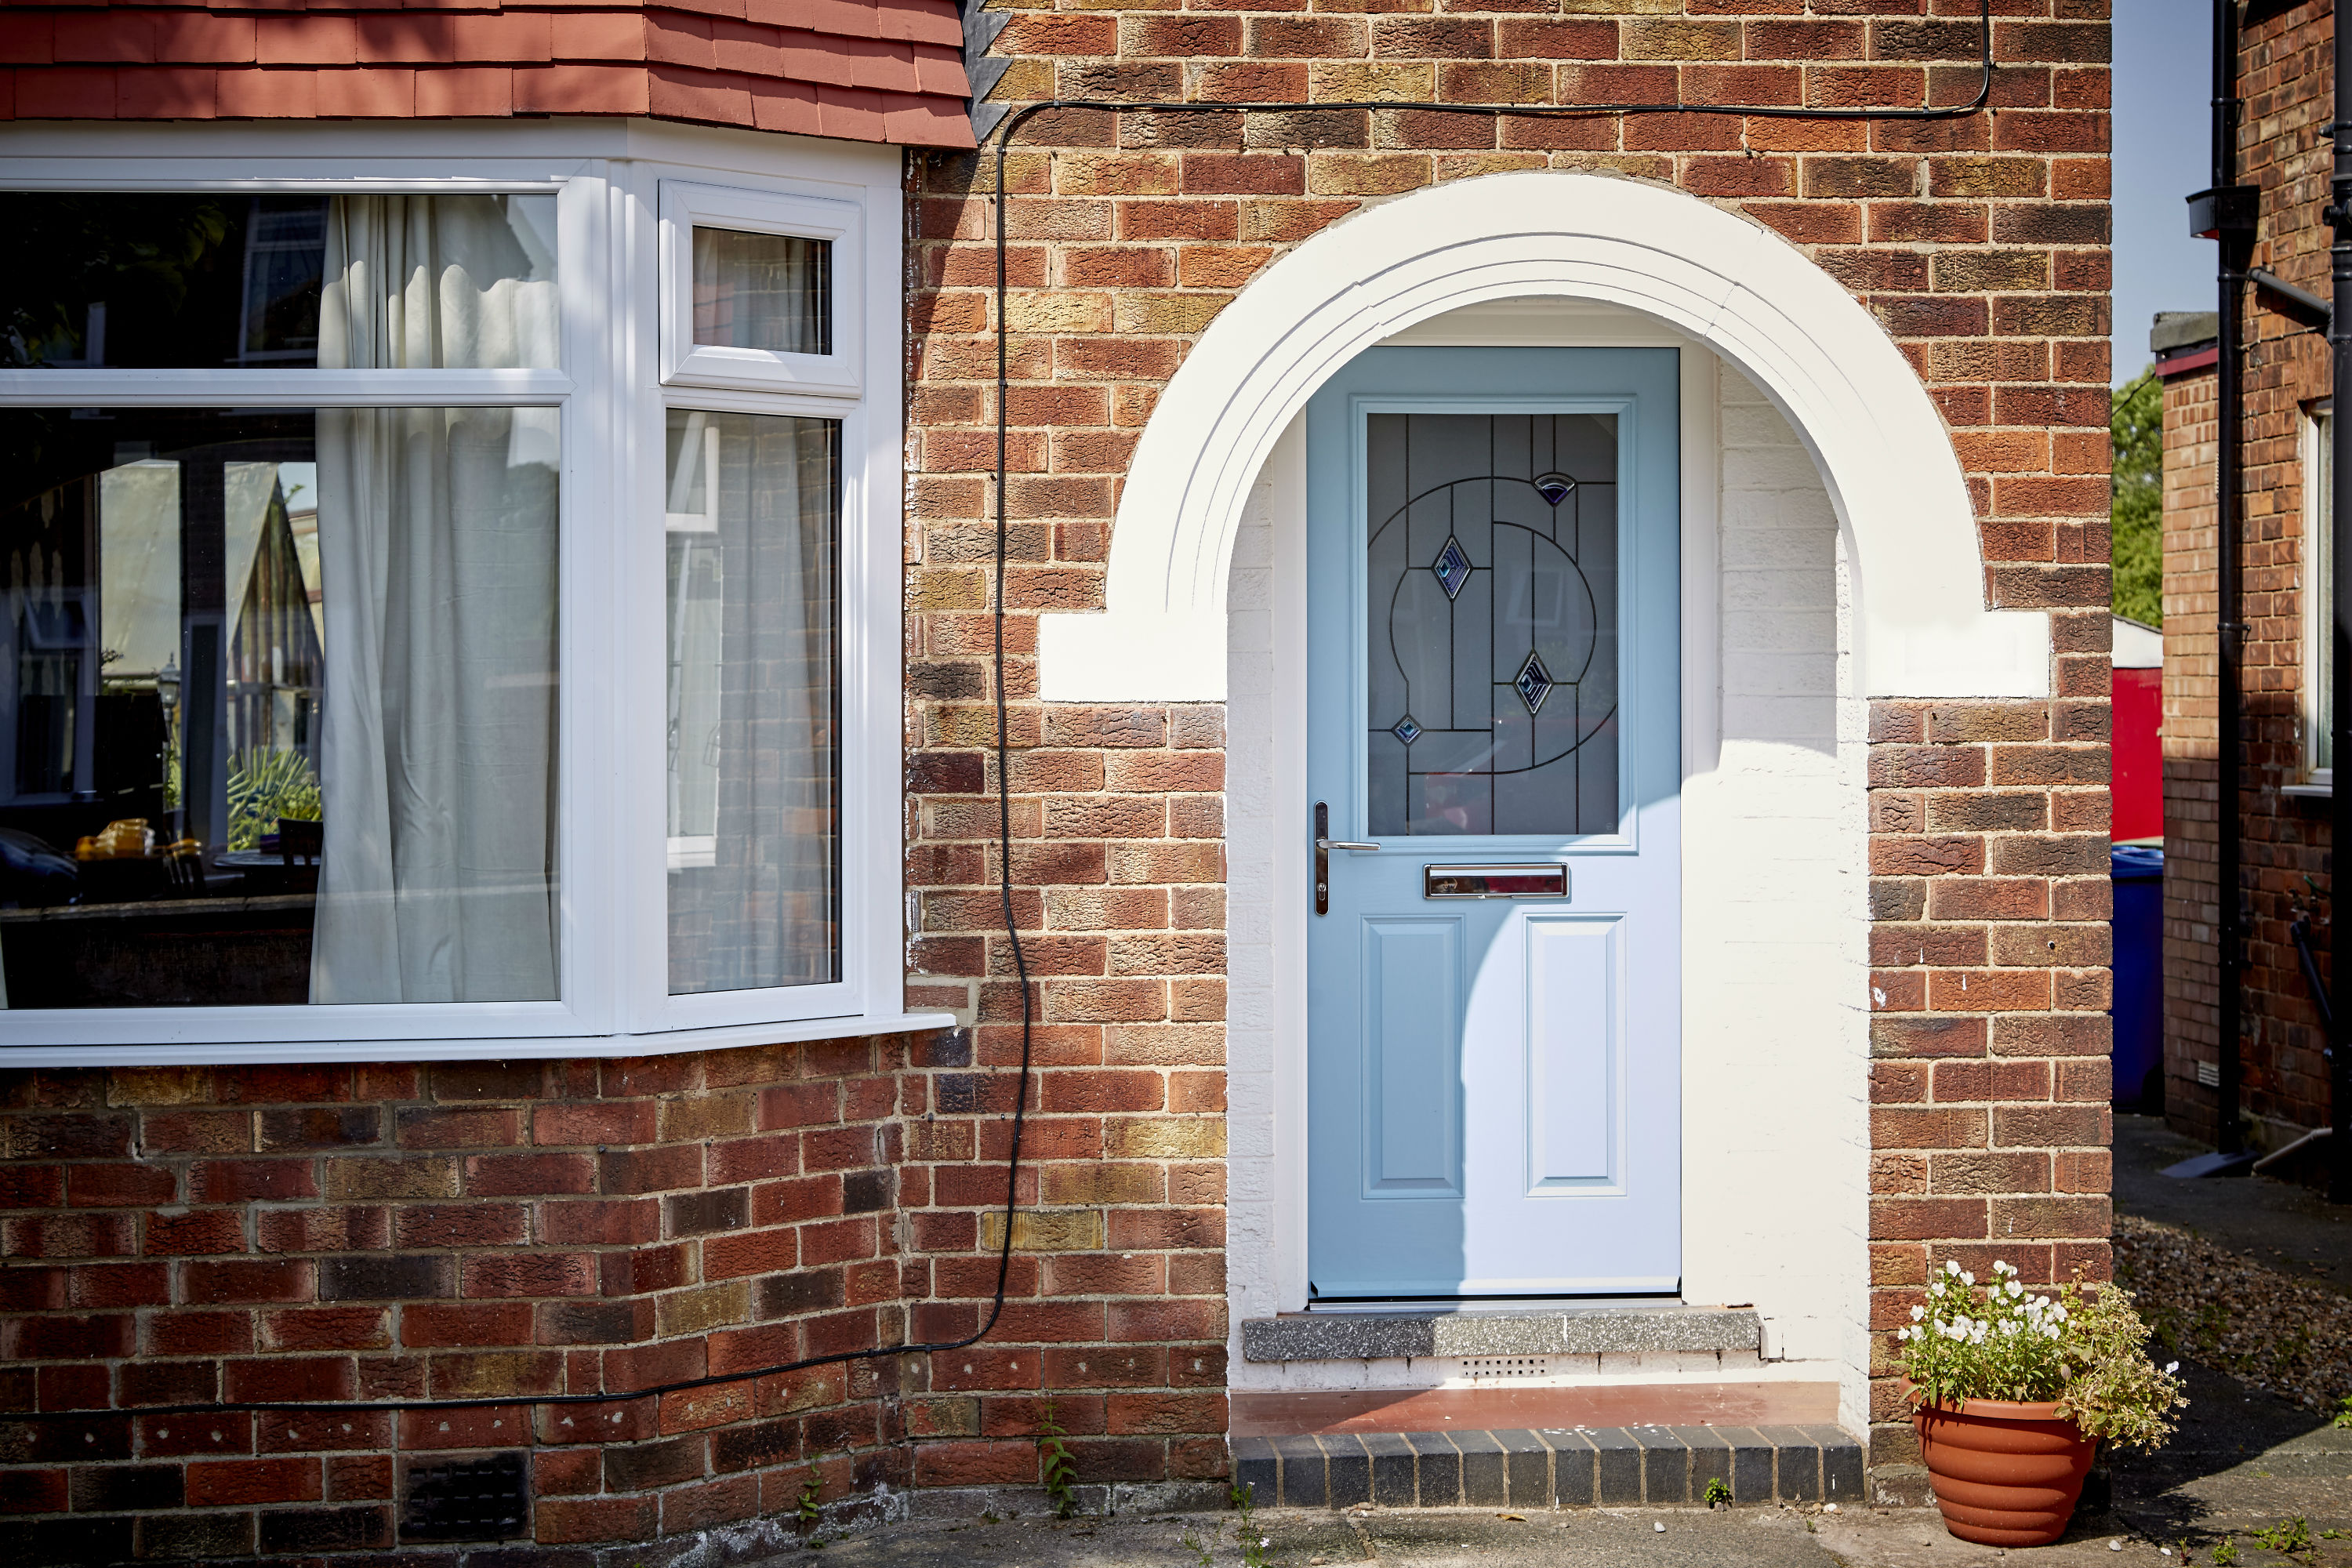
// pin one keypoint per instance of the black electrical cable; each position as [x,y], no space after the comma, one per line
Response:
[1003,137]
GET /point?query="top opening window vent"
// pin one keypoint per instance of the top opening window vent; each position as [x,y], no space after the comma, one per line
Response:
[754,286]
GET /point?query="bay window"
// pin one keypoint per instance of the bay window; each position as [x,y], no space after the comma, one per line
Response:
[391,666]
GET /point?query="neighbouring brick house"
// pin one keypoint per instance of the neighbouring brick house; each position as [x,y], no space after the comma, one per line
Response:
[2286,778]
[1660,556]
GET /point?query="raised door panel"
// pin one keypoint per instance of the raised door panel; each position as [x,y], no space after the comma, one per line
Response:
[1412,1047]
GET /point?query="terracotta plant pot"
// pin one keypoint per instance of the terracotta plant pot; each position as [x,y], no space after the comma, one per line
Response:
[2005,1474]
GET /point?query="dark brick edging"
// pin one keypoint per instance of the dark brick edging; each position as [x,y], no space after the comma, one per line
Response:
[1603,1467]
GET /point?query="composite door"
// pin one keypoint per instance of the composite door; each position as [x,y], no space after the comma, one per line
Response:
[1494,757]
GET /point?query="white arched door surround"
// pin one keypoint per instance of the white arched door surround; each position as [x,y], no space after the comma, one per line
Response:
[1853,399]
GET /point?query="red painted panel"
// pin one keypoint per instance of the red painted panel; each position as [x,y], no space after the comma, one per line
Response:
[2139,754]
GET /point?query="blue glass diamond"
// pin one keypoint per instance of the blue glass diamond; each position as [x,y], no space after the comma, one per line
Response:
[1406,729]
[1452,566]
[1533,682]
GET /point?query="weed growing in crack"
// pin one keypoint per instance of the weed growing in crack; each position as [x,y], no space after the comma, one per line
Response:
[1056,1465]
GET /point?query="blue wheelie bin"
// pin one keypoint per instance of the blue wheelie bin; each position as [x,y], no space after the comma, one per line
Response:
[2139,872]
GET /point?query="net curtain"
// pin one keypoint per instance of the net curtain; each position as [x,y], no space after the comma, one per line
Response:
[437,545]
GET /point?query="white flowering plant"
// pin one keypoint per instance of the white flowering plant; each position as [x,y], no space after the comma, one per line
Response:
[2000,1341]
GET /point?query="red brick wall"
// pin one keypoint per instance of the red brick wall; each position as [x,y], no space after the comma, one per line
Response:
[1979,243]
[864,70]
[1118,855]
[2286,63]
[478,1229]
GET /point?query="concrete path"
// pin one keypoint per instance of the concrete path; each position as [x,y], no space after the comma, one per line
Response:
[2199,1513]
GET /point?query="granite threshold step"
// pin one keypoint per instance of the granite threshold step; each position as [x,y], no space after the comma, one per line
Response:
[1357,1334]
[1610,1466]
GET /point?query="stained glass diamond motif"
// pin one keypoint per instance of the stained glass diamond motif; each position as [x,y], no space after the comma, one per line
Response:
[1533,683]
[1406,729]
[1452,566]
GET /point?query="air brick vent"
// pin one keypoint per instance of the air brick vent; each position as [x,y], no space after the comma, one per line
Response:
[1492,1366]
[486,1499]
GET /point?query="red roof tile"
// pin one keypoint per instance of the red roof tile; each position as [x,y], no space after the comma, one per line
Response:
[174,92]
[96,35]
[193,38]
[305,40]
[376,92]
[30,41]
[866,70]
[518,35]
[404,37]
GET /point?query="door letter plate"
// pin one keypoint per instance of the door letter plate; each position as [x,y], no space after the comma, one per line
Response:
[1494,882]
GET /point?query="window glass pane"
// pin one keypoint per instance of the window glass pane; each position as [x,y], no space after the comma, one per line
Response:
[752,523]
[278,707]
[1491,624]
[386,281]
[772,291]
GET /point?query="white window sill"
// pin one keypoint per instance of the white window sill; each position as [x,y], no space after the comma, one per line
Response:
[666,1043]
[2317,789]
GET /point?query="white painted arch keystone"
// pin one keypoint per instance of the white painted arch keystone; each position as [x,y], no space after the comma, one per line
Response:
[1730,284]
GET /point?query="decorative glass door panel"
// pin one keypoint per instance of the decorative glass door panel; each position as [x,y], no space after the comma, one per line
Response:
[1491,564]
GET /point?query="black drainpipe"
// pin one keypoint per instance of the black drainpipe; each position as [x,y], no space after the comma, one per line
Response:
[2226,211]
[2339,511]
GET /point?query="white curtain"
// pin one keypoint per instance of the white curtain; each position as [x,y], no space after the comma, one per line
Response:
[438,555]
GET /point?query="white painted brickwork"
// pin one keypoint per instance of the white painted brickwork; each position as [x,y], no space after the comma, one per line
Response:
[1776,1036]
[1258,1230]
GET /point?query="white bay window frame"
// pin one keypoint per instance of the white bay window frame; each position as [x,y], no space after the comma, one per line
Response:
[614,390]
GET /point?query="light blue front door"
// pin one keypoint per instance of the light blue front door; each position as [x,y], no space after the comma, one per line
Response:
[1493,699]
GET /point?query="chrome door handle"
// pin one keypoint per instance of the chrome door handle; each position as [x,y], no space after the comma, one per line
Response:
[1324,845]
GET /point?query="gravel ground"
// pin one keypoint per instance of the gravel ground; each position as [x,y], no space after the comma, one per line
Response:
[2235,1314]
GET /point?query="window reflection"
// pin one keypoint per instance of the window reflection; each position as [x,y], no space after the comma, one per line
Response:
[92,279]
[751,524]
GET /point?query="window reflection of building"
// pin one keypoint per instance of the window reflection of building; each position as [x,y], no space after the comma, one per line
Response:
[277,666]
[285,261]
